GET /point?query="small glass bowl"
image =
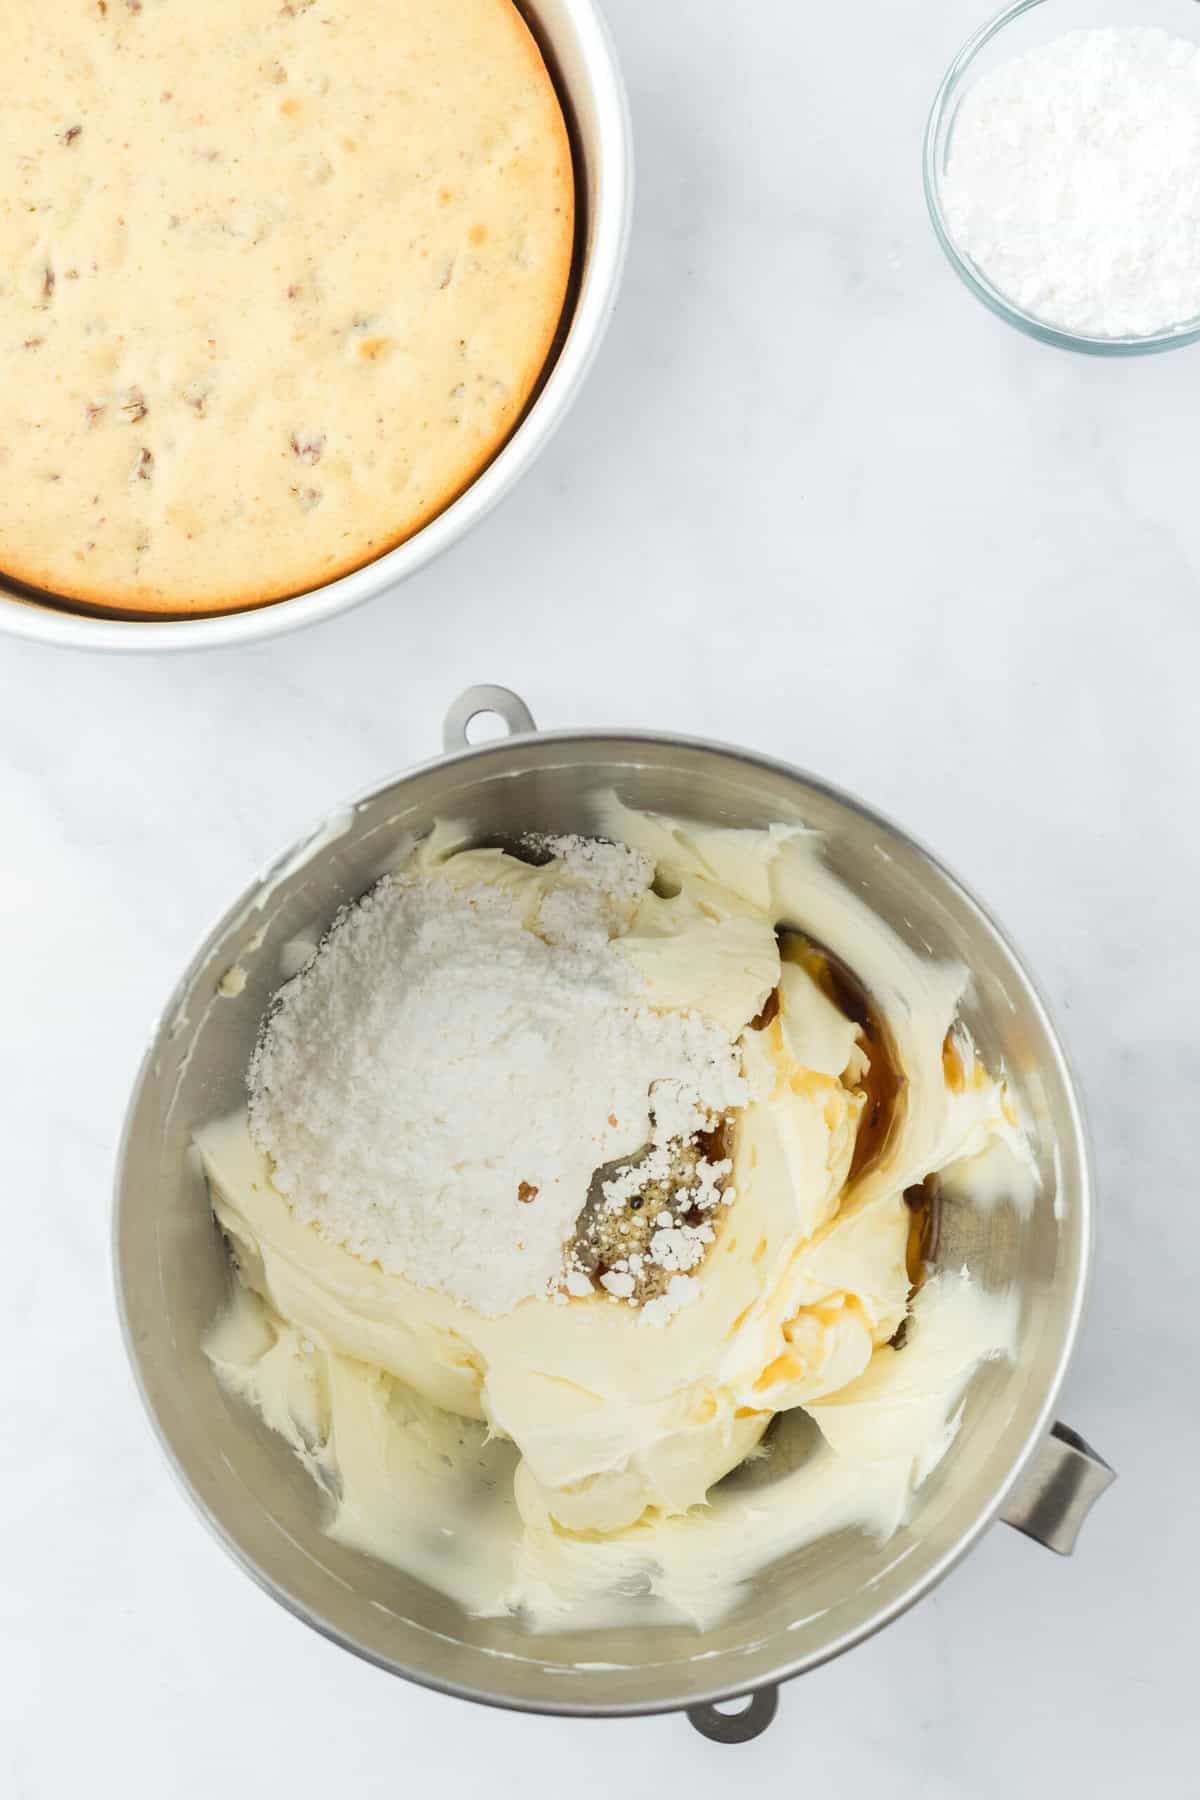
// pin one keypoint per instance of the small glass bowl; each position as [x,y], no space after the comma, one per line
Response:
[1020,27]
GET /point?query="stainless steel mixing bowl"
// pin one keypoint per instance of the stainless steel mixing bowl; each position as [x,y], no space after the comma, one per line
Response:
[173,1278]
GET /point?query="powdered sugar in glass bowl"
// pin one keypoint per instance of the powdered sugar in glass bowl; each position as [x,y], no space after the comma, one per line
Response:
[1073,210]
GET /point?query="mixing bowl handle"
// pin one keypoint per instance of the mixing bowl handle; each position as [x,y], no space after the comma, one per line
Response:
[1062,1484]
[736,1727]
[1059,1489]
[475,700]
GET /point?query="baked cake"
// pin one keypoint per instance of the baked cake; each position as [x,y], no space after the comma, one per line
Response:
[276,281]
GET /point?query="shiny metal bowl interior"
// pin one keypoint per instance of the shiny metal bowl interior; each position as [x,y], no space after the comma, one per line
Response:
[1017,29]
[172,1274]
[581,57]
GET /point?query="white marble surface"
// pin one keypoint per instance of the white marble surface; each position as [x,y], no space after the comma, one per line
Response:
[814,501]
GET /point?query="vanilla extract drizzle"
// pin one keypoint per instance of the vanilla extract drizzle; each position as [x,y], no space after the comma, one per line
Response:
[616,1232]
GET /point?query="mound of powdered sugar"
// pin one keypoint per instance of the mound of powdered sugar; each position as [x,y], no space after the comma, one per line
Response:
[438,1086]
[1073,180]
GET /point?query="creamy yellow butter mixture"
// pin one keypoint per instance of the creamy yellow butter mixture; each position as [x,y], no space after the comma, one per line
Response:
[571,1446]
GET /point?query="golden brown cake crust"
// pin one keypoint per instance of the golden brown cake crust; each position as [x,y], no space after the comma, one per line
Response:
[276,282]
